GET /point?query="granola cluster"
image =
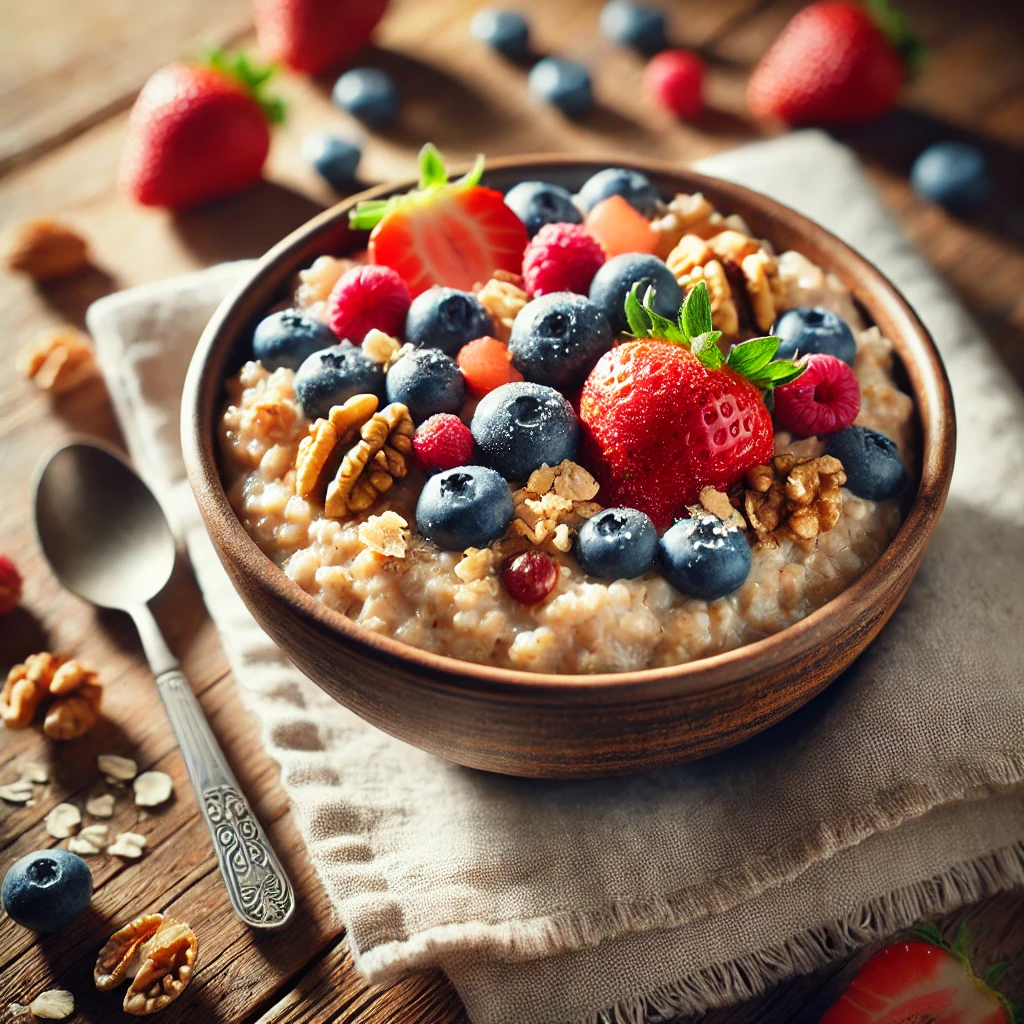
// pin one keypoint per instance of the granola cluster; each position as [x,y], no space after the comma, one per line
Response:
[554,503]
[68,691]
[503,297]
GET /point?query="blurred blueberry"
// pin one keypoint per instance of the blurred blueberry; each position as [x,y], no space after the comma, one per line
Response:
[617,544]
[333,376]
[333,158]
[953,174]
[47,890]
[635,25]
[704,558]
[504,31]
[813,329]
[288,337]
[563,83]
[874,469]
[428,382]
[367,93]
[446,318]
[467,507]
[615,279]
[633,186]
[536,203]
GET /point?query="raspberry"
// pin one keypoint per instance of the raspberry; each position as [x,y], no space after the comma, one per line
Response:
[10,585]
[530,576]
[674,79]
[442,442]
[366,297]
[824,399]
[561,258]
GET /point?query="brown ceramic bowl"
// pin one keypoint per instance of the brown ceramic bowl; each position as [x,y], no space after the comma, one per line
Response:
[569,726]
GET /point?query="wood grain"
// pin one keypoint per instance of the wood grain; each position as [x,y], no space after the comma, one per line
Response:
[67,75]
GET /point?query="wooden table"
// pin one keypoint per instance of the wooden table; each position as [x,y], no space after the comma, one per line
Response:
[68,74]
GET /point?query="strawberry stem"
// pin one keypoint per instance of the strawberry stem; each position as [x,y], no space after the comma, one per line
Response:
[896,28]
[252,76]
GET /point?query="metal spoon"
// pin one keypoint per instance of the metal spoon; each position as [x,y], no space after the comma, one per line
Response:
[107,540]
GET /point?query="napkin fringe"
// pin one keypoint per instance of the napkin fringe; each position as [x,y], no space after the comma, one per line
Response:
[753,974]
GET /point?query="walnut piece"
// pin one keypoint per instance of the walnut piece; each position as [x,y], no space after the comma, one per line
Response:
[44,676]
[554,503]
[386,534]
[157,953]
[686,215]
[797,496]
[503,297]
[320,451]
[45,249]
[718,504]
[58,359]
[73,716]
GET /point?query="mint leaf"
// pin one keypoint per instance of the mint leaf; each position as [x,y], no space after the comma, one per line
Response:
[432,169]
[695,315]
[749,357]
[705,348]
[474,174]
[636,315]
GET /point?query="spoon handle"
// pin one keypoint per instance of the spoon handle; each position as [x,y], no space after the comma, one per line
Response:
[257,885]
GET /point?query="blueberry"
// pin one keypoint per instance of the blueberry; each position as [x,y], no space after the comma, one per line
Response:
[47,890]
[332,376]
[428,382]
[811,329]
[557,339]
[446,318]
[563,83]
[704,558]
[874,469]
[953,174]
[288,337]
[504,31]
[614,280]
[367,93]
[466,507]
[617,544]
[333,158]
[633,186]
[536,203]
[520,427]
[630,24]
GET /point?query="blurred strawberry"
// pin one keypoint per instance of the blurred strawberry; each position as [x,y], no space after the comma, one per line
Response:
[314,35]
[198,132]
[835,63]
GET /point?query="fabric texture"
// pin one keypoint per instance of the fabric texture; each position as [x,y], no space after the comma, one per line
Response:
[897,793]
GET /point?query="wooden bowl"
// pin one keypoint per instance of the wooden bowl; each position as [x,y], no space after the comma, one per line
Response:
[569,726]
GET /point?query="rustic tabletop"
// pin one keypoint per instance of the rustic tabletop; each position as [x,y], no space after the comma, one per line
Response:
[68,75]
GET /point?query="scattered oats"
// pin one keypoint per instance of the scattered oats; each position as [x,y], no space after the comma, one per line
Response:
[128,844]
[62,821]
[101,806]
[152,788]
[16,792]
[89,841]
[116,767]
[54,1004]
[35,773]
[387,534]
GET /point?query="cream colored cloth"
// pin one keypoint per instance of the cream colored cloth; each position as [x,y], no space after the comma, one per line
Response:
[895,794]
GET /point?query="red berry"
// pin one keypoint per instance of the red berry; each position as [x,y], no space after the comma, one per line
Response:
[561,258]
[674,79]
[367,297]
[824,399]
[10,585]
[486,363]
[530,576]
[442,442]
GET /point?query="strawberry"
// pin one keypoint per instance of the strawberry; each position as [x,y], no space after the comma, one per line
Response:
[197,132]
[454,234]
[926,980]
[835,63]
[667,415]
[314,35]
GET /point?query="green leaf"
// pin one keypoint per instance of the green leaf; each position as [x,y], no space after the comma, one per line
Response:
[929,933]
[749,357]
[252,76]
[774,375]
[475,173]
[695,315]
[705,348]
[636,315]
[959,945]
[996,972]
[896,28]
[368,214]
[432,169]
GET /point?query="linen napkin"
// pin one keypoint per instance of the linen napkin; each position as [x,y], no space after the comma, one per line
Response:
[897,793]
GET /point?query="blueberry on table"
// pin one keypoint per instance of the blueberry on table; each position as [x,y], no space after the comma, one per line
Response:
[333,376]
[446,318]
[536,203]
[563,83]
[704,557]
[504,31]
[874,469]
[522,426]
[633,186]
[635,25]
[288,337]
[467,507]
[813,329]
[617,544]
[368,94]
[427,381]
[614,281]
[558,338]
[47,890]
[333,158]
[952,174]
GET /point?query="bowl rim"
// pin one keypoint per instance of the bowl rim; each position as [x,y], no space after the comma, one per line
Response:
[938,433]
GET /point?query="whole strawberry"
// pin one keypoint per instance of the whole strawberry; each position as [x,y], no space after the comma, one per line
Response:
[314,35]
[836,62]
[667,415]
[197,132]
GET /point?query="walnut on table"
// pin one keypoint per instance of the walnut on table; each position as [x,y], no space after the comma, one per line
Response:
[58,359]
[45,249]
[73,694]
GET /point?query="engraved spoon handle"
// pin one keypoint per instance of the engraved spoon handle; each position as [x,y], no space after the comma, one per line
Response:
[257,885]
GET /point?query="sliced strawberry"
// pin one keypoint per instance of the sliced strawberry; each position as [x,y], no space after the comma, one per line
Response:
[454,235]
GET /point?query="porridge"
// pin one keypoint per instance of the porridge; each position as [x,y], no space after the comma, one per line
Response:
[572,452]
